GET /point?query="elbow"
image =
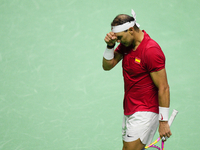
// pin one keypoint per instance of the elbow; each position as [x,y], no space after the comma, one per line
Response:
[107,65]
[167,88]
[106,68]
[164,89]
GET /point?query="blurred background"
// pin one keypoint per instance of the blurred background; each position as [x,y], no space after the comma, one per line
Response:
[54,94]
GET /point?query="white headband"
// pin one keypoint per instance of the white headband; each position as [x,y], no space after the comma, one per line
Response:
[126,25]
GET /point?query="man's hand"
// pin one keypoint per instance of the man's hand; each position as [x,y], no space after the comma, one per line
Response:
[164,129]
[110,39]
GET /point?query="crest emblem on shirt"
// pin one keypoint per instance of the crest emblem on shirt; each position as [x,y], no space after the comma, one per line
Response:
[137,60]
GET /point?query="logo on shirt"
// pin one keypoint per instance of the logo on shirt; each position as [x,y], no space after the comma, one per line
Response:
[137,60]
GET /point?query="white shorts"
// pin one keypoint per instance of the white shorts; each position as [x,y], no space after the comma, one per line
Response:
[141,125]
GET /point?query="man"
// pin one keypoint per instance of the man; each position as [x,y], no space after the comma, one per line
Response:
[146,98]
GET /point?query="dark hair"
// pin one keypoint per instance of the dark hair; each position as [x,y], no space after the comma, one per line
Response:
[123,18]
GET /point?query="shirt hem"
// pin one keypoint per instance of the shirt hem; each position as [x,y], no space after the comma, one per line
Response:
[130,113]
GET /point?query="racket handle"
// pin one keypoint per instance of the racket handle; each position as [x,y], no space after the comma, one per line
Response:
[171,119]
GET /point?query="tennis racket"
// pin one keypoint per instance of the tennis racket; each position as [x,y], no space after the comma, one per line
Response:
[171,119]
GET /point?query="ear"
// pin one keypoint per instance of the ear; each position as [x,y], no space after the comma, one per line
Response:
[131,30]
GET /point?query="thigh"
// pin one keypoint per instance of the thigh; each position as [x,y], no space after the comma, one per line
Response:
[141,125]
[135,145]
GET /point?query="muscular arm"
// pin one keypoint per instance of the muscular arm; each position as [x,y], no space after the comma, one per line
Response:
[160,80]
[109,64]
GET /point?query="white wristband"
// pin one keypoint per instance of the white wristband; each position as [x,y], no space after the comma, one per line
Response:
[108,54]
[163,113]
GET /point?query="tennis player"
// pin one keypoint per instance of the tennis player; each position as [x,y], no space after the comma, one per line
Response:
[146,97]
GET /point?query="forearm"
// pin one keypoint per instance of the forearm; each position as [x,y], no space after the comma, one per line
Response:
[164,96]
[108,64]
